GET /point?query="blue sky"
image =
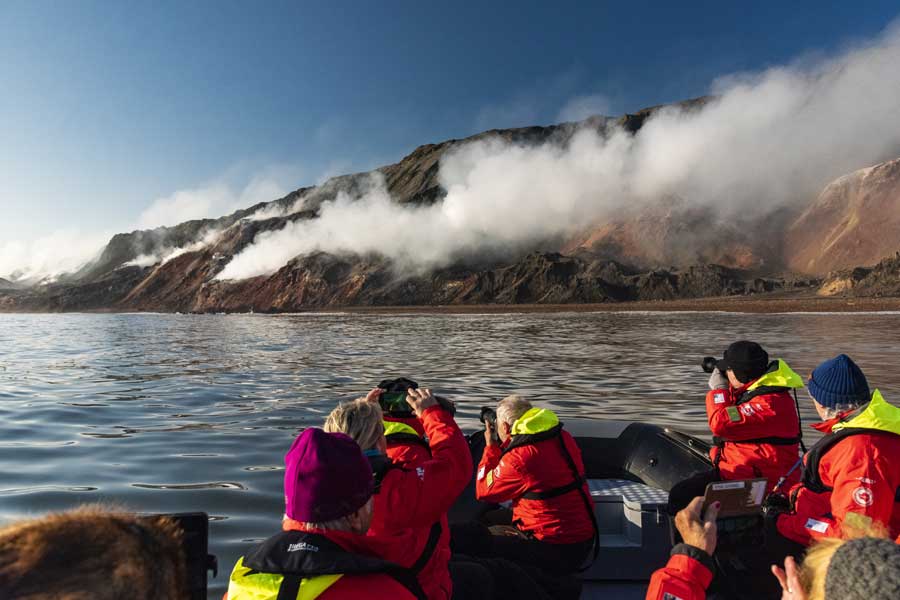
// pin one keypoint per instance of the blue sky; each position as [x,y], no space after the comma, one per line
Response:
[112,113]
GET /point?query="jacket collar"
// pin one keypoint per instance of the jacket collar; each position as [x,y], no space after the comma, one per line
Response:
[878,416]
[536,420]
[779,374]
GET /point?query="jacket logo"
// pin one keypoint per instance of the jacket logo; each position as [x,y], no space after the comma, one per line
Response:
[420,471]
[302,546]
[865,480]
[480,473]
[719,398]
[863,496]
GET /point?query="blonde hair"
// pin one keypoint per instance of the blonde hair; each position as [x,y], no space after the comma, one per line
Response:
[360,419]
[815,565]
[511,408]
[91,552]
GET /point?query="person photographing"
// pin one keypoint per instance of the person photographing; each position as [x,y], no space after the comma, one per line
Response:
[538,467]
[753,418]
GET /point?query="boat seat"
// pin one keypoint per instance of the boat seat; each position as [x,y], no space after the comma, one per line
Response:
[631,492]
[634,530]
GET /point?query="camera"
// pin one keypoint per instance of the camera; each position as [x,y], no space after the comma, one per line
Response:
[709,364]
[489,416]
[393,398]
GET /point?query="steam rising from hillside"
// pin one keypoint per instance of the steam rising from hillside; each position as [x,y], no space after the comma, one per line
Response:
[767,140]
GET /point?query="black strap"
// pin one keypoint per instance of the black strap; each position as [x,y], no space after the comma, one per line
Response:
[407,438]
[434,536]
[289,588]
[773,440]
[553,493]
[588,504]
[381,464]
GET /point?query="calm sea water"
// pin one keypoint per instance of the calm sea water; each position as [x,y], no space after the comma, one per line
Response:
[166,413]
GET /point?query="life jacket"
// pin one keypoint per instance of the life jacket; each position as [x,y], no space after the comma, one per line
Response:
[299,565]
[538,425]
[396,432]
[878,418]
[779,378]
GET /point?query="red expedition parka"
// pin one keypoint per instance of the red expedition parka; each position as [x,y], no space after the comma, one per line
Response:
[416,495]
[756,428]
[508,474]
[851,478]
[685,577]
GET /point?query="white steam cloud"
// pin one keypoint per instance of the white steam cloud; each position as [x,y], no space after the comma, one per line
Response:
[213,200]
[45,259]
[767,140]
[166,254]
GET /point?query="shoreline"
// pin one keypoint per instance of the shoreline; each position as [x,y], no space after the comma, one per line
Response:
[727,304]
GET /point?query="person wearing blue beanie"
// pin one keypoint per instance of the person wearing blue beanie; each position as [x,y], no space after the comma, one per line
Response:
[850,482]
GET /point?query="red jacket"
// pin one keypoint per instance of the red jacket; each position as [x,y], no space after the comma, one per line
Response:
[737,416]
[537,467]
[858,478]
[406,443]
[685,577]
[416,497]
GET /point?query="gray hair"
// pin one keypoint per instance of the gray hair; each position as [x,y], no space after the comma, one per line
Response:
[341,523]
[833,411]
[360,419]
[511,408]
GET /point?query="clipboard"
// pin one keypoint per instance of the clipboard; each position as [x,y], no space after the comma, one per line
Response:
[742,497]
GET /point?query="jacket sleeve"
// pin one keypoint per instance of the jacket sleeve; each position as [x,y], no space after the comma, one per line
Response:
[423,494]
[750,420]
[686,576]
[862,497]
[499,480]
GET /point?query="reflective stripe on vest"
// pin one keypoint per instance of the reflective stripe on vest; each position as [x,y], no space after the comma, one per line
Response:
[247,584]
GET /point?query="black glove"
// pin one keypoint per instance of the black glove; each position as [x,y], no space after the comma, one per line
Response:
[774,506]
[776,503]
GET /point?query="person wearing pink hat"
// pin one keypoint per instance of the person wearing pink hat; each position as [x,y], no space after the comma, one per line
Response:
[323,552]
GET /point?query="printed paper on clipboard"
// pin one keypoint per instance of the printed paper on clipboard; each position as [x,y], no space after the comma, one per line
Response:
[738,498]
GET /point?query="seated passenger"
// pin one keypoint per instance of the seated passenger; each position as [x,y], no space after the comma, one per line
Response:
[851,477]
[324,552]
[92,553]
[753,418]
[538,467]
[416,495]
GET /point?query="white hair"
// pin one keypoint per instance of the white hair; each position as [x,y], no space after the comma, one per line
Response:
[511,408]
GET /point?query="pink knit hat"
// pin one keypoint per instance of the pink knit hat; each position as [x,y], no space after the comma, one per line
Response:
[326,477]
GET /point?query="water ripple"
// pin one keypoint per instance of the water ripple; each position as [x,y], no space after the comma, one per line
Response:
[99,402]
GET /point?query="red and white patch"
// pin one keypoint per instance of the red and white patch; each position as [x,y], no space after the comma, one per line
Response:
[863,496]
[481,473]
[747,410]
[719,398]
[865,480]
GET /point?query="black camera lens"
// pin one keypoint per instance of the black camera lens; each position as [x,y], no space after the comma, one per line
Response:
[709,364]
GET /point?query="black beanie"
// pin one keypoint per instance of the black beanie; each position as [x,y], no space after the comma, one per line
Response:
[864,569]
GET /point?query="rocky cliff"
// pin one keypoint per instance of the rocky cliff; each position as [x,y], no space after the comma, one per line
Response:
[668,251]
[854,221]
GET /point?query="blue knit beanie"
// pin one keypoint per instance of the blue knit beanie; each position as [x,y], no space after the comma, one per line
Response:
[839,381]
